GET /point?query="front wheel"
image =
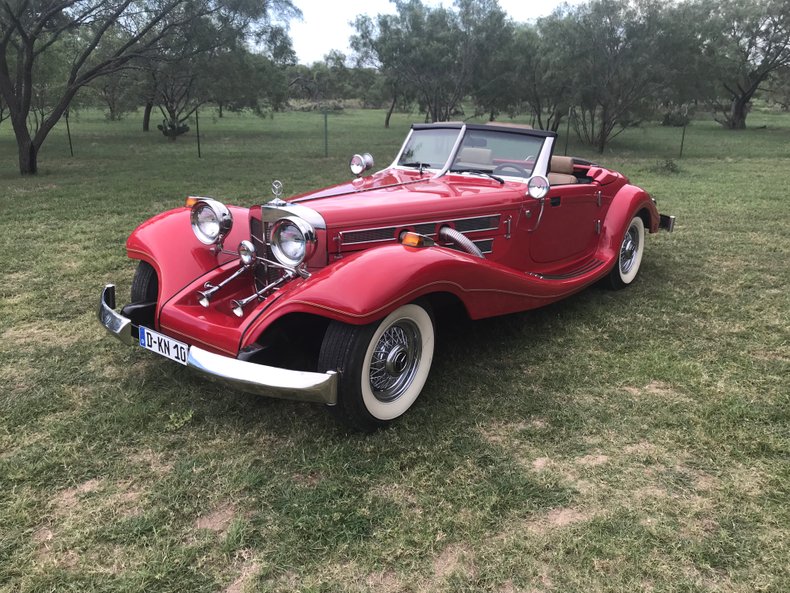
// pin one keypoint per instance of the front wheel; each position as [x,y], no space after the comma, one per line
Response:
[383,366]
[629,259]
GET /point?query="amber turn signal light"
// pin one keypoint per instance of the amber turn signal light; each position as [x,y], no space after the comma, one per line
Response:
[191,201]
[411,239]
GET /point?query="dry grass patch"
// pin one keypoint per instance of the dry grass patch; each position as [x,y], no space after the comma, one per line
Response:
[499,433]
[385,582]
[555,519]
[397,493]
[454,559]
[152,461]
[217,520]
[69,499]
[247,574]
[592,460]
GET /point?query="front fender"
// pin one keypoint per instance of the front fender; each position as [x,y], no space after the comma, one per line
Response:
[167,242]
[371,284]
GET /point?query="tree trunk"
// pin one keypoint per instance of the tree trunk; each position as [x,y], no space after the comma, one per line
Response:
[391,109]
[28,158]
[147,116]
[738,112]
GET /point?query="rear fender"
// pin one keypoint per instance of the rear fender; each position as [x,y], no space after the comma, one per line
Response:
[630,201]
[167,242]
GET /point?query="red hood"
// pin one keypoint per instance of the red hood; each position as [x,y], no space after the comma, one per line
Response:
[404,196]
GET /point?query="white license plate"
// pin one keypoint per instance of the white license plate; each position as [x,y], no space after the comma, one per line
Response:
[167,347]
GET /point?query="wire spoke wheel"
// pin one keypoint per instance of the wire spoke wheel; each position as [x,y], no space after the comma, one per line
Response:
[395,360]
[383,366]
[629,258]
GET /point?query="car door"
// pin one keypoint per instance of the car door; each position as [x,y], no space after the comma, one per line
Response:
[568,227]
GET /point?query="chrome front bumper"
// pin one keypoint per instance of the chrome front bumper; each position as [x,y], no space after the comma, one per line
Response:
[244,376]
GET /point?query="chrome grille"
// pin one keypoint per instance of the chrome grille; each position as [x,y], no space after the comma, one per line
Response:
[369,235]
[264,275]
[480,223]
[425,229]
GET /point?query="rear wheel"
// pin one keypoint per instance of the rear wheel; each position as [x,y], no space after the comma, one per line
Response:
[145,285]
[383,366]
[629,259]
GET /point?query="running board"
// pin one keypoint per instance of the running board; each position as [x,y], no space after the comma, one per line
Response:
[584,269]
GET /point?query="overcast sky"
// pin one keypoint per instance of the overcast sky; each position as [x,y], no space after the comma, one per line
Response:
[325,25]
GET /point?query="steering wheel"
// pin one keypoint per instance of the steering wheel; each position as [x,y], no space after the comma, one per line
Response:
[502,169]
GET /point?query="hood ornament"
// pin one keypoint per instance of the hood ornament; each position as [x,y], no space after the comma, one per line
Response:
[277,190]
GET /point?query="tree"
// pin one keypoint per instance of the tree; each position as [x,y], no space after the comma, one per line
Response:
[614,64]
[431,51]
[745,44]
[237,79]
[778,92]
[29,30]
[540,73]
[492,36]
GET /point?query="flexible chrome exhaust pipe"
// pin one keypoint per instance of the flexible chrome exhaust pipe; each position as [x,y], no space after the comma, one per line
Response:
[239,304]
[447,233]
[211,289]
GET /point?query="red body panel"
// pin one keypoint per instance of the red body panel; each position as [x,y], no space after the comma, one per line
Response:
[580,237]
[167,242]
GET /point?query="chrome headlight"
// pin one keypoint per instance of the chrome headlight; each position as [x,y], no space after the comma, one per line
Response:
[246,252]
[293,240]
[211,221]
[360,163]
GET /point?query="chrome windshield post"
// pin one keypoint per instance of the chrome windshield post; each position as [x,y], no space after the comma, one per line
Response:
[453,152]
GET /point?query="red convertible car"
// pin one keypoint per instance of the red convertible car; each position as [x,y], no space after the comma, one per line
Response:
[330,296]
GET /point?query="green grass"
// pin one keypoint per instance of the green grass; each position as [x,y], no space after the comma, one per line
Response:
[617,441]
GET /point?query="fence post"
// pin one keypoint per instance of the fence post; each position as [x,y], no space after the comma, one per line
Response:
[326,134]
[683,137]
[197,131]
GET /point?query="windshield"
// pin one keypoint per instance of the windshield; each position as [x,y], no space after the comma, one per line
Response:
[511,155]
[428,148]
[486,152]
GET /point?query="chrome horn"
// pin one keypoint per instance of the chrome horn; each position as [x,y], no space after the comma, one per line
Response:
[239,304]
[206,295]
[247,257]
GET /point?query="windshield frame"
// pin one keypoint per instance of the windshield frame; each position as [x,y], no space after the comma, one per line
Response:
[541,164]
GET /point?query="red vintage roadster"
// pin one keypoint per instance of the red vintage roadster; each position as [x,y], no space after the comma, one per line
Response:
[330,296]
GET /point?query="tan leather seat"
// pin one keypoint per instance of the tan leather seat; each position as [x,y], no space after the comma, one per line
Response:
[561,172]
[472,157]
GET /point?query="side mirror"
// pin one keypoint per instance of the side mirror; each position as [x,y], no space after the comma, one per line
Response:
[360,163]
[537,187]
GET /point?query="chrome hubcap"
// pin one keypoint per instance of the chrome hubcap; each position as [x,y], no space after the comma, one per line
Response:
[395,360]
[629,250]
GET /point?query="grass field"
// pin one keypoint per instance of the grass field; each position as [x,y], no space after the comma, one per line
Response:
[617,441]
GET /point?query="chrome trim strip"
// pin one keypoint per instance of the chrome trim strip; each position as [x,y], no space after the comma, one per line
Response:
[544,158]
[402,148]
[246,376]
